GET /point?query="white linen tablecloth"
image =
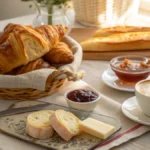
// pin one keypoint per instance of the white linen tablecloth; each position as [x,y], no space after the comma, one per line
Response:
[93,70]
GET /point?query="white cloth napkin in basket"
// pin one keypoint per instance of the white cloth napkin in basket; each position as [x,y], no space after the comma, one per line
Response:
[37,79]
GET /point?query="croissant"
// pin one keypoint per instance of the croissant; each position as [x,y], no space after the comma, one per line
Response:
[34,65]
[28,43]
[22,47]
[60,54]
[47,31]
[9,58]
[52,34]
[25,44]
[11,26]
[9,29]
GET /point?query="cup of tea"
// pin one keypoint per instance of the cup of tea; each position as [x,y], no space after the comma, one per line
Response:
[142,93]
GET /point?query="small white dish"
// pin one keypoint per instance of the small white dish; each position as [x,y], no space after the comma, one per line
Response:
[112,81]
[131,110]
[85,106]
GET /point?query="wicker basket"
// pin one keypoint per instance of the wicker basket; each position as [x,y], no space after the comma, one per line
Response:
[104,12]
[54,81]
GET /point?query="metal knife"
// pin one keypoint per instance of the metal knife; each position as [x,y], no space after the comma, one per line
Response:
[13,111]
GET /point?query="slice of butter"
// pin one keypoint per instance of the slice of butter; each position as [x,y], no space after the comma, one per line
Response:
[96,128]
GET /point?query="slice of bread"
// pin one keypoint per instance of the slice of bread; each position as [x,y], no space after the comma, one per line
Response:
[65,124]
[38,124]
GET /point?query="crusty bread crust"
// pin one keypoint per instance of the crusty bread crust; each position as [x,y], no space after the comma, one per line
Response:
[119,29]
[39,132]
[122,41]
[60,127]
[39,128]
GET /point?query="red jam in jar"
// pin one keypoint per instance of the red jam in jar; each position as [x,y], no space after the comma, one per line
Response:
[82,95]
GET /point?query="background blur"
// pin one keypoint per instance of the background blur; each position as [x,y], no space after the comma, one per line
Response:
[14,8]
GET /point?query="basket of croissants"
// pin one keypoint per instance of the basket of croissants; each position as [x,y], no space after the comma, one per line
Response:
[25,50]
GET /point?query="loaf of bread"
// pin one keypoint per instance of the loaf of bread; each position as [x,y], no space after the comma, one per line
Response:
[119,29]
[33,65]
[38,124]
[65,124]
[116,42]
[60,54]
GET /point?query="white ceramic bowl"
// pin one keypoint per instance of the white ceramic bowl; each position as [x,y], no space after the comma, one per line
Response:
[85,106]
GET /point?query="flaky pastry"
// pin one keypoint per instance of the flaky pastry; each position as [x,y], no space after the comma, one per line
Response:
[60,54]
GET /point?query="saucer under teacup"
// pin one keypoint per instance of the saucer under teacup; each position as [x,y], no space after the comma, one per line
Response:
[131,110]
[110,79]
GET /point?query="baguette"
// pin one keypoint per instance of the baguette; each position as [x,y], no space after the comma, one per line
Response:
[116,42]
[119,29]
[38,124]
[65,124]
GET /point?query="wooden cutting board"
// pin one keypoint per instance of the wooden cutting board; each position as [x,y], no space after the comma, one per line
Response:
[81,34]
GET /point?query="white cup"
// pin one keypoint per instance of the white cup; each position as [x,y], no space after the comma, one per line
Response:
[142,92]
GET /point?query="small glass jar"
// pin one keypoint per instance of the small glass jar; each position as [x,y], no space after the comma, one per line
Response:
[52,15]
[134,72]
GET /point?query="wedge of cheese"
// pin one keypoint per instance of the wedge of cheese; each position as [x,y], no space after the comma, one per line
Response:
[38,124]
[96,128]
[65,124]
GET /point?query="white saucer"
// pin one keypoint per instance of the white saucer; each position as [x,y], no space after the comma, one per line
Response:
[131,110]
[112,80]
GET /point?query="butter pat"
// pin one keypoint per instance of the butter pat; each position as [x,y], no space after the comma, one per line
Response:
[96,128]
